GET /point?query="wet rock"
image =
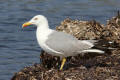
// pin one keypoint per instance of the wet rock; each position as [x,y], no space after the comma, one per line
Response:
[81,29]
[87,67]
[112,30]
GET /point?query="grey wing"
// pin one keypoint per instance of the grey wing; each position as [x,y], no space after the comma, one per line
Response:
[65,43]
[62,42]
[92,41]
[85,44]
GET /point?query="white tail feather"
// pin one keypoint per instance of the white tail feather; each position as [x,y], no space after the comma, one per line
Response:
[93,50]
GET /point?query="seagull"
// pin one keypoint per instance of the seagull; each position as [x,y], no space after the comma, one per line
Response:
[59,43]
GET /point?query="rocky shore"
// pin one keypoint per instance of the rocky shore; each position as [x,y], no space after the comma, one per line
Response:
[87,67]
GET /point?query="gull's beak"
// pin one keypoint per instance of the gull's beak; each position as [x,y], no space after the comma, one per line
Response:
[26,24]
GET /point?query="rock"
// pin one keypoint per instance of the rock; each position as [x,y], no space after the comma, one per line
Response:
[112,30]
[87,67]
[81,29]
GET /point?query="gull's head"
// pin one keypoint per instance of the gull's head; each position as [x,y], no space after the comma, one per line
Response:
[37,21]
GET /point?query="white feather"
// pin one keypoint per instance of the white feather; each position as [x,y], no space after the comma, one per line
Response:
[93,50]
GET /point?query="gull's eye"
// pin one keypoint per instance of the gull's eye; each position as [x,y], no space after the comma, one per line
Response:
[36,19]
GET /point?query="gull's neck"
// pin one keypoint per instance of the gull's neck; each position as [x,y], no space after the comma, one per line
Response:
[43,26]
[43,31]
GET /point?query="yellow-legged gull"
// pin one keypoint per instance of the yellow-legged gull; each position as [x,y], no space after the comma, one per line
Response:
[59,43]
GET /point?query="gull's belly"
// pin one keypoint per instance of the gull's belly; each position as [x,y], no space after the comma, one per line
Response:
[50,51]
[47,49]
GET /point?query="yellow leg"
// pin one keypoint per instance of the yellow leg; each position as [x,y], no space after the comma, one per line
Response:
[63,62]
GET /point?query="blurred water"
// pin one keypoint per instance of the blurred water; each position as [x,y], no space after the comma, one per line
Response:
[19,48]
